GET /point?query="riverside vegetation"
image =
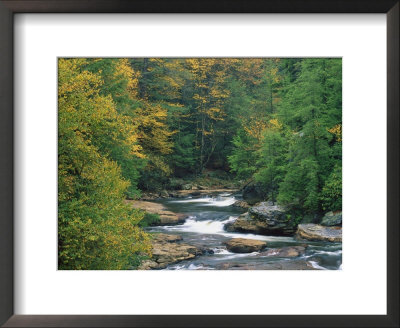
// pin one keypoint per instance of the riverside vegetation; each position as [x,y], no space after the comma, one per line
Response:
[136,130]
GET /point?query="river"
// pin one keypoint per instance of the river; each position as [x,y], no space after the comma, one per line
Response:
[204,227]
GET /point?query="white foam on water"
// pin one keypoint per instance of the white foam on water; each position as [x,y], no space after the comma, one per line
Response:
[192,200]
[204,226]
[228,201]
[221,251]
[258,237]
[338,252]
[198,267]
[315,265]
[220,201]
[176,267]
[217,228]
[235,256]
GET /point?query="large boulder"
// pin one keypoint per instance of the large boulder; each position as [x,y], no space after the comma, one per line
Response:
[242,245]
[275,218]
[265,219]
[166,217]
[166,250]
[318,232]
[166,238]
[332,219]
[244,223]
[253,193]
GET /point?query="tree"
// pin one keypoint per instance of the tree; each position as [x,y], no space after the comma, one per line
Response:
[96,229]
[309,108]
[272,160]
[208,78]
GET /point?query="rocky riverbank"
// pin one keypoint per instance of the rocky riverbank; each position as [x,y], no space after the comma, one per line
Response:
[150,196]
[208,233]
[168,249]
[166,217]
[266,218]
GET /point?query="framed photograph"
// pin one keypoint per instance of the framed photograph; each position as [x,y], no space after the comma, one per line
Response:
[204,164]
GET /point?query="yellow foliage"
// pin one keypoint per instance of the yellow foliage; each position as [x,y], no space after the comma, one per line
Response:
[275,124]
[337,131]
[96,229]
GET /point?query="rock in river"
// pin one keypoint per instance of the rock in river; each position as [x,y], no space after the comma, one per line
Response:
[166,217]
[163,237]
[265,219]
[242,245]
[291,251]
[166,250]
[279,265]
[318,232]
[332,219]
[240,203]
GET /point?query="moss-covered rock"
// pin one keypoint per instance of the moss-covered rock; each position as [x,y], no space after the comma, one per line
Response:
[331,219]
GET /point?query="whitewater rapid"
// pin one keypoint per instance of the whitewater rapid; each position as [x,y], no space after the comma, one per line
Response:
[204,227]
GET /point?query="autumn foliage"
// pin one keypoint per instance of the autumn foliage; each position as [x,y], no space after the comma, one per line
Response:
[132,125]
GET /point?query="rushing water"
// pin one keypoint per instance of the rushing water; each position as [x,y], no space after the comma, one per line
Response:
[204,227]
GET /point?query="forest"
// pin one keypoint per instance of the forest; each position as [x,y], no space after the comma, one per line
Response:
[129,126]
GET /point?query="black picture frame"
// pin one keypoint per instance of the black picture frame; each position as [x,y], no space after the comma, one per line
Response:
[7,10]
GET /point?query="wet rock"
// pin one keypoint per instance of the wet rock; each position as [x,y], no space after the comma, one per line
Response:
[148,265]
[242,245]
[241,204]
[278,265]
[244,223]
[265,219]
[291,251]
[166,217]
[166,250]
[332,219]
[318,232]
[171,219]
[274,218]
[163,237]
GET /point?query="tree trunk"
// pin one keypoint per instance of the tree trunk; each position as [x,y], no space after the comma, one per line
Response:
[203,123]
[142,81]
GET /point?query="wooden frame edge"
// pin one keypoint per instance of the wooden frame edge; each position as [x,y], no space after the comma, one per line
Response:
[7,10]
